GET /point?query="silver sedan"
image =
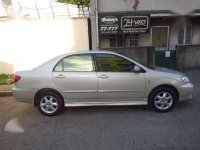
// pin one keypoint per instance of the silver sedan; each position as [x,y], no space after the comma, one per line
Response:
[99,78]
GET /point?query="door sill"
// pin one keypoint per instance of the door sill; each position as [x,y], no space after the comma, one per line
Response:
[78,104]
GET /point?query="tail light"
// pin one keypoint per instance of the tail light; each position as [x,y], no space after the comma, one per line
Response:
[17,78]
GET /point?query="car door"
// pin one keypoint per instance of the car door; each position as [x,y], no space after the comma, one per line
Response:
[75,76]
[117,80]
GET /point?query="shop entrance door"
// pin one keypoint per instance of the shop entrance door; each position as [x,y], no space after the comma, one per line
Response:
[164,57]
[160,36]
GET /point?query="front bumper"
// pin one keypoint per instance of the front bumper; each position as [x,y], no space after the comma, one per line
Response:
[185,91]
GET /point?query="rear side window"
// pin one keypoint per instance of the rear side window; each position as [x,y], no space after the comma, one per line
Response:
[59,67]
[113,63]
[75,63]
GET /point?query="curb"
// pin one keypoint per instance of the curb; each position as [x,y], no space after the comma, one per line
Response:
[5,93]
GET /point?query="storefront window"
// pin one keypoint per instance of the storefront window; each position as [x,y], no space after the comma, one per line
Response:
[133,40]
[124,40]
[116,41]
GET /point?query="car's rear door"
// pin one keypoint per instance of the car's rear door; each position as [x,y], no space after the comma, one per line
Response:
[75,76]
[117,80]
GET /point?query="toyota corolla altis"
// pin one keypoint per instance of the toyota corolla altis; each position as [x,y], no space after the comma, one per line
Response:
[99,78]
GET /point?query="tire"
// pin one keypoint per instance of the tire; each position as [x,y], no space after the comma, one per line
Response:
[49,103]
[163,99]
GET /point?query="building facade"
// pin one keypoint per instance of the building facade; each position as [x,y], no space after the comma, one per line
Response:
[138,23]
[152,32]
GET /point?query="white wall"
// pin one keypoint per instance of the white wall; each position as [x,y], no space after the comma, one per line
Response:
[26,44]
[6,68]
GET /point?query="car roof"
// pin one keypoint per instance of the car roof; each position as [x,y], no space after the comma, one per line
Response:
[87,52]
[92,52]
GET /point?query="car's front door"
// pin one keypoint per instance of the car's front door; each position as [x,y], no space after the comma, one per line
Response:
[75,76]
[117,80]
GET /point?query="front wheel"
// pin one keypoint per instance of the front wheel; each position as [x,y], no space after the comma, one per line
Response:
[49,103]
[163,99]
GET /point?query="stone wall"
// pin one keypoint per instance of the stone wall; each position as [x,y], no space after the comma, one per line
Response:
[187,56]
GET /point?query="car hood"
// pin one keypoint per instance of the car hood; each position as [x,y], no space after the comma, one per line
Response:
[166,70]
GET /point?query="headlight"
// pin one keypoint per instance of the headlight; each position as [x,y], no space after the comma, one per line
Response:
[185,79]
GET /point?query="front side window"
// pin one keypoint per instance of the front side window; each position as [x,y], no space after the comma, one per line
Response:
[75,63]
[113,63]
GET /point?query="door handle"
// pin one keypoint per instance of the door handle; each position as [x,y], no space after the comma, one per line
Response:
[60,76]
[103,76]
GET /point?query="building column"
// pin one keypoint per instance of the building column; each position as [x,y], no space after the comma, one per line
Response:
[94,26]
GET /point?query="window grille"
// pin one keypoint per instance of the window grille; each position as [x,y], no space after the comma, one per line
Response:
[133,40]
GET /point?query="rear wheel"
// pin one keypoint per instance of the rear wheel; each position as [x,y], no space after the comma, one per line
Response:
[49,103]
[163,99]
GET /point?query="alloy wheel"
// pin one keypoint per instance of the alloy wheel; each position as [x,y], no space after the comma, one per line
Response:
[49,104]
[163,100]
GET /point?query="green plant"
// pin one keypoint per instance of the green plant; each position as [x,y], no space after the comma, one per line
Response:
[6,78]
[76,2]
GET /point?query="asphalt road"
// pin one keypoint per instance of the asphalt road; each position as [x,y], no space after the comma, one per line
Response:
[104,128]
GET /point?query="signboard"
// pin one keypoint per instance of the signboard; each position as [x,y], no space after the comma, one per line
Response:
[131,24]
[109,24]
[113,24]
[167,54]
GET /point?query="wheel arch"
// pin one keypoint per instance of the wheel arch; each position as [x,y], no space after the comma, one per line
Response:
[45,90]
[164,85]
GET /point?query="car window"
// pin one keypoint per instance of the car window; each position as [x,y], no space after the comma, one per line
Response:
[113,63]
[59,67]
[75,63]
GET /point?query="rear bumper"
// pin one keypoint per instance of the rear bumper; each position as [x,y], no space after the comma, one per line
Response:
[185,92]
[24,95]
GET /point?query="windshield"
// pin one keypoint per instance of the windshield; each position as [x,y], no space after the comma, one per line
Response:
[152,67]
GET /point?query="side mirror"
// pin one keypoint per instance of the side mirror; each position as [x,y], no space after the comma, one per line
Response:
[137,69]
